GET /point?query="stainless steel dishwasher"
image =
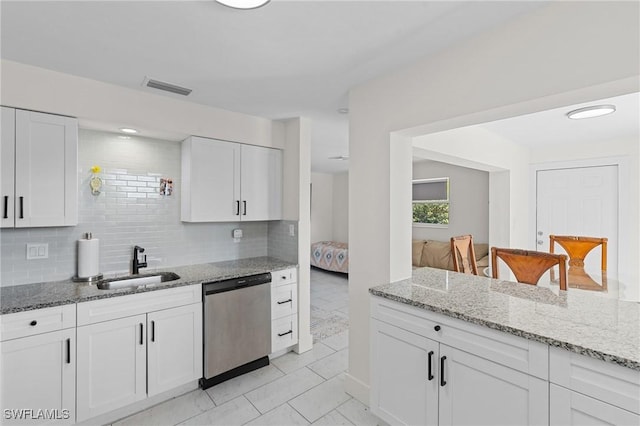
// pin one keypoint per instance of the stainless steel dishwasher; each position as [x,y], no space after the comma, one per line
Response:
[237,327]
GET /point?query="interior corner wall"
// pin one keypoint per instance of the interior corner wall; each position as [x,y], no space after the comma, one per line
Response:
[468,201]
[341,207]
[297,183]
[524,66]
[321,207]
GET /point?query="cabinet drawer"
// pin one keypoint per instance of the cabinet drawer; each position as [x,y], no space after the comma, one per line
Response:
[286,276]
[134,304]
[524,355]
[614,384]
[284,332]
[284,301]
[29,323]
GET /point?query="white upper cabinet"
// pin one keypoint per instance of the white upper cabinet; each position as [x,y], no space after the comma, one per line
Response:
[8,157]
[42,155]
[261,183]
[229,182]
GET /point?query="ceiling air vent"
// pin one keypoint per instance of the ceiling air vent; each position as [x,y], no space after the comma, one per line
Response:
[167,87]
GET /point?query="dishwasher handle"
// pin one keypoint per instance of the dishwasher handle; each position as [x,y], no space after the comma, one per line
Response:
[235,283]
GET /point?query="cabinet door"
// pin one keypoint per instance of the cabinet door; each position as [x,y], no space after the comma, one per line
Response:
[111,365]
[404,382]
[7,158]
[568,407]
[261,183]
[210,180]
[476,391]
[39,373]
[174,347]
[46,170]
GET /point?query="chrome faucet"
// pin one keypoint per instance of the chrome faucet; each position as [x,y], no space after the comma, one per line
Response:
[136,263]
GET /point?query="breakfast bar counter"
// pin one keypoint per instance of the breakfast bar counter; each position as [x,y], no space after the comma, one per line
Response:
[584,322]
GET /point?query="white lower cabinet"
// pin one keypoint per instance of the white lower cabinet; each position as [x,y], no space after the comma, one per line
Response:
[111,365]
[39,373]
[38,366]
[405,383]
[569,407]
[174,351]
[474,390]
[587,391]
[418,381]
[427,369]
[153,349]
[284,309]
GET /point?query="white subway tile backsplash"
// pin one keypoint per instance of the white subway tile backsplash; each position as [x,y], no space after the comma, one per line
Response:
[130,211]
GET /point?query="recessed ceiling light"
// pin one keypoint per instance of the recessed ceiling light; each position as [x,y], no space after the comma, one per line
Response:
[591,111]
[243,4]
[339,157]
[128,130]
[343,110]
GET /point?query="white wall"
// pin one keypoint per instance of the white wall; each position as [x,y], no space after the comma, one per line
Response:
[561,54]
[296,138]
[321,207]
[341,207]
[330,207]
[105,106]
[468,201]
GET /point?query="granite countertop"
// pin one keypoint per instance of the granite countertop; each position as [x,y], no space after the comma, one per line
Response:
[43,295]
[584,322]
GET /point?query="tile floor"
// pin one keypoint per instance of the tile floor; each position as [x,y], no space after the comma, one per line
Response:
[293,390]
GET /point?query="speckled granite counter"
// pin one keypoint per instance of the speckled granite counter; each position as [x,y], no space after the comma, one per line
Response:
[42,295]
[580,321]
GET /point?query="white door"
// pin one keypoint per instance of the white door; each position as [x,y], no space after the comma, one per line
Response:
[579,201]
[261,183]
[476,391]
[405,376]
[174,347]
[46,170]
[572,408]
[7,159]
[111,365]
[39,372]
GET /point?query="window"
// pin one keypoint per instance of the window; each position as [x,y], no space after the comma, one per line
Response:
[431,202]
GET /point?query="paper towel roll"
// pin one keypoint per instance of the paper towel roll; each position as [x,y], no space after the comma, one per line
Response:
[88,257]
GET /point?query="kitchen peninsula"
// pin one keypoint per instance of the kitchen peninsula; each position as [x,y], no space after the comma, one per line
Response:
[451,348]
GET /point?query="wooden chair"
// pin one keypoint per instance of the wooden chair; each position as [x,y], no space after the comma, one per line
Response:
[578,248]
[528,266]
[464,256]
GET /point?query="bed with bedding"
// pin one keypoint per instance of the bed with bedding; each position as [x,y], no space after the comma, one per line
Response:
[330,255]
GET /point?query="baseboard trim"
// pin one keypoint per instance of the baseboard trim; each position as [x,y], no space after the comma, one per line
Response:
[357,389]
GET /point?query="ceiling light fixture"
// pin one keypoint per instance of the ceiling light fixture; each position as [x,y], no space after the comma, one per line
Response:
[339,157]
[343,110]
[243,4]
[128,130]
[591,111]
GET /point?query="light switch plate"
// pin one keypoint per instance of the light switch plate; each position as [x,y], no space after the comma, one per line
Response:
[37,251]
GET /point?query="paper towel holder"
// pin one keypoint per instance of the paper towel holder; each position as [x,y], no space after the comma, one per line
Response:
[92,279]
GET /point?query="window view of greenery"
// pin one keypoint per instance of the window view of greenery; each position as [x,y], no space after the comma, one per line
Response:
[431,201]
[434,213]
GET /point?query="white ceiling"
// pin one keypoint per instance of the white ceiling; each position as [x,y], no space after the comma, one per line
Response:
[289,58]
[552,127]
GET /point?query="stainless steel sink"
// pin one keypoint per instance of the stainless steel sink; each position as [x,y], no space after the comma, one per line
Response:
[137,280]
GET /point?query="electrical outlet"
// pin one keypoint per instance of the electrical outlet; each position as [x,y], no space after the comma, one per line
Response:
[37,251]
[292,231]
